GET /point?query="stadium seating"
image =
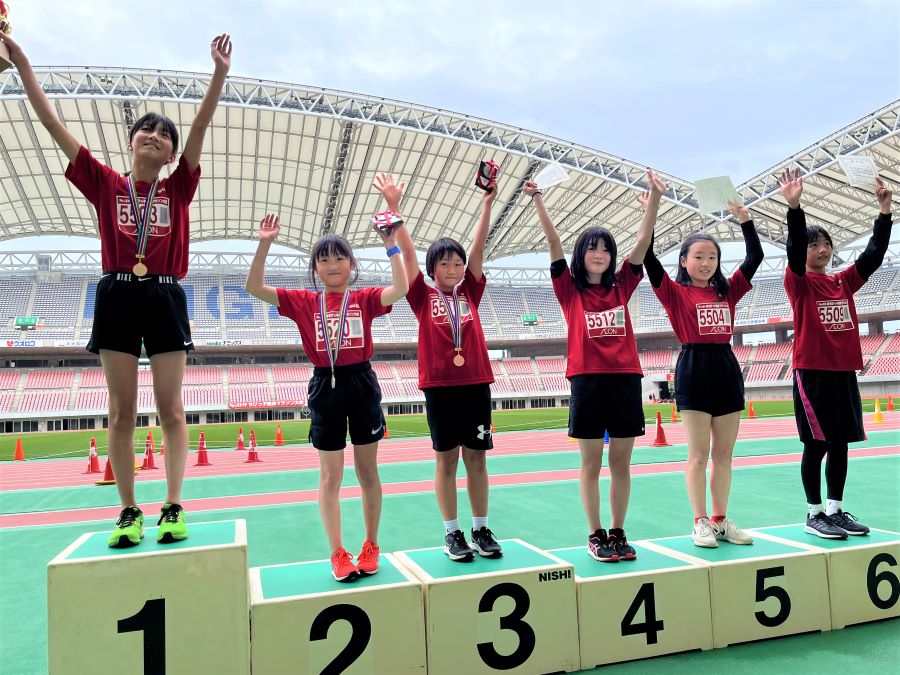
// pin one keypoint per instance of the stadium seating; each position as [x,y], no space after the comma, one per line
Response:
[886,364]
[763,372]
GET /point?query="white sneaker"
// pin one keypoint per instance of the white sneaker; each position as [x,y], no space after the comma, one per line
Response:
[704,534]
[728,531]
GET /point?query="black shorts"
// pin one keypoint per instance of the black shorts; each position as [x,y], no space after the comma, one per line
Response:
[129,310]
[827,406]
[606,402]
[708,379]
[459,416]
[354,401]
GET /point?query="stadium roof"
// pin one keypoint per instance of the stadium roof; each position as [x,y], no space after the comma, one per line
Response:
[311,155]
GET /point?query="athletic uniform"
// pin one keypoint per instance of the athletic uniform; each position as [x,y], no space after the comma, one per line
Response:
[356,395]
[603,365]
[707,375]
[457,398]
[131,309]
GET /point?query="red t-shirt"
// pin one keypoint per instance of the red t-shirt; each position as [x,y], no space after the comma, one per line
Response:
[697,314]
[601,338]
[436,350]
[303,307]
[170,228]
[826,332]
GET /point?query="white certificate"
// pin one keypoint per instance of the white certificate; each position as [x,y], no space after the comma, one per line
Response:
[713,194]
[861,171]
[550,175]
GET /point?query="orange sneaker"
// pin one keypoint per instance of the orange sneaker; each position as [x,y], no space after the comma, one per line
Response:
[342,567]
[367,560]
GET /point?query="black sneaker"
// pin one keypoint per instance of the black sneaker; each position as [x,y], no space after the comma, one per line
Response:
[599,548]
[821,526]
[848,523]
[619,543]
[483,541]
[456,547]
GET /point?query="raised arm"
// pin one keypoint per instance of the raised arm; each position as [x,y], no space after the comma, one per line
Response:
[475,263]
[392,193]
[754,252]
[791,186]
[399,282]
[654,268]
[872,257]
[553,242]
[256,277]
[221,56]
[39,101]
[650,201]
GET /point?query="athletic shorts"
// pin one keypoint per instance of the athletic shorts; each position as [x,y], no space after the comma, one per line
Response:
[708,379]
[606,402]
[355,401]
[459,416]
[827,406]
[131,310]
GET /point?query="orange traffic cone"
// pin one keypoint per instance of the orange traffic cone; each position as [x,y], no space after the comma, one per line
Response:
[19,455]
[149,463]
[240,443]
[660,434]
[108,477]
[674,416]
[279,439]
[253,455]
[492,428]
[387,432]
[879,416]
[751,414]
[890,405]
[162,446]
[202,456]
[152,444]
[93,459]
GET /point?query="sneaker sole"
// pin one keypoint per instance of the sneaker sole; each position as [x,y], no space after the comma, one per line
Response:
[486,554]
[856,534]
[811,530]
[353,576]
[630,556]
[612,559]
[713,544]
[169,538]
[735,541]
[466,557]
[125,542]
[367,573]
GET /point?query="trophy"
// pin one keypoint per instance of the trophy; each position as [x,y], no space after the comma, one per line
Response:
[387,221]
[486,175]
[6,29]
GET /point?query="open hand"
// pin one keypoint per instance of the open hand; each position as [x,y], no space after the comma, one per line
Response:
[791,187]
[220,48]
[392,191]
[269,227]
[884,195]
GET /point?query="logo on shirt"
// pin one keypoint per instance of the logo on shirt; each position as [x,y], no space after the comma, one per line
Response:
[609,322]
[354,337]
[439,312]
[835,315]
[714,318]
[160,222]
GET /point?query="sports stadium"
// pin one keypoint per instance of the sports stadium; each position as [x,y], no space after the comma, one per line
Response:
[310,155]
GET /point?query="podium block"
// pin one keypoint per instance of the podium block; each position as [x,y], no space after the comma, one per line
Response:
[303,621]
[653,605]
[761,591]
[515,614]
[862,572]
[179,609]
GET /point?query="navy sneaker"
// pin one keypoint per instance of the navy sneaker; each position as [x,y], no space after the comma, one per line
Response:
[599,547]
[821,526]
[456,548]
[483,541]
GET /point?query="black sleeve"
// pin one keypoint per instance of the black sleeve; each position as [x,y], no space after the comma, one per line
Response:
[557,267]
[796,241]
[754,256]
[871,259]
[654,268]
[635,269]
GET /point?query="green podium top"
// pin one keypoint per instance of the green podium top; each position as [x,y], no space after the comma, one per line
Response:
[726,552]
[515,557]
[647,560]
[796,533]
[310,578]
[200,535]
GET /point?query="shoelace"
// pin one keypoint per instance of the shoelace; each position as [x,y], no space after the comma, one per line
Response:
[169,515]
[706,528]
[127,518]
[848,516]
[368,550]
[459,539]
[485,533]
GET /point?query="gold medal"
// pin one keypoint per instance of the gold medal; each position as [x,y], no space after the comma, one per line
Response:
[459,360]
[139,269]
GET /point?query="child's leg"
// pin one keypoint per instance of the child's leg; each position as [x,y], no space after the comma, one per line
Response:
[620,479]
[365,459]
[168,374]
[591,463]
[697,429]
[331,473]
[446,463]
[836,470]
[476,480]
[811,470]
[121,378]
[724,434]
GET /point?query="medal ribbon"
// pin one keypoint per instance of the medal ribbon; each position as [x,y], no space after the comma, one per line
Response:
[141,221]
[454,317]
[339,337]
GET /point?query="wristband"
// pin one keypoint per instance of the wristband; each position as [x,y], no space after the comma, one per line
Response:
[392,250]
[537,193]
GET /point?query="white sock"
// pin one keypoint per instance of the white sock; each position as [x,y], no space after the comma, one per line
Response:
[478,522]
[814,510]
[832,506]
[451,525]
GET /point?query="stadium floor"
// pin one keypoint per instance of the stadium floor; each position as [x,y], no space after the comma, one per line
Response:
[46,504]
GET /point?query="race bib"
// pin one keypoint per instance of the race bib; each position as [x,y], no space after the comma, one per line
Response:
[439,311]
[835,315]
[354,337]
[610,322]
[160,222]
[714,318]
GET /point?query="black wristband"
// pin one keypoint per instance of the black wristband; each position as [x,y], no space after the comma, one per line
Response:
[538,192]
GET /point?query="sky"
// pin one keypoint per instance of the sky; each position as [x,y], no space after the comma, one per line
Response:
[695,88]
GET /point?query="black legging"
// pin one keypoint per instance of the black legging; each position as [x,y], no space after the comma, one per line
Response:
[835,470]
